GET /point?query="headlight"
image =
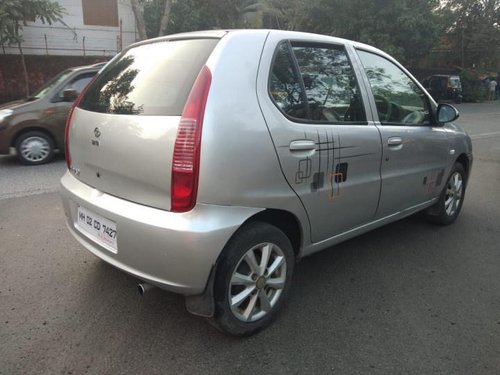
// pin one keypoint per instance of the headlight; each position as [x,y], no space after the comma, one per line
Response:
[4,113]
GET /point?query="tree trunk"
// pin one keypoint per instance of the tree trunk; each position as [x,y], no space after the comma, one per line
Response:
[139,19]
[165,17]
[25,71]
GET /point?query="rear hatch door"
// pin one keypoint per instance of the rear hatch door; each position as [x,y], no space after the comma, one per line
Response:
[123,131]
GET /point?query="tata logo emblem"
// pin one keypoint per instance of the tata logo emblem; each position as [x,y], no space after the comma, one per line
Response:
[97,134]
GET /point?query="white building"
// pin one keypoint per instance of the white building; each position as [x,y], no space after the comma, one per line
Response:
[88,28]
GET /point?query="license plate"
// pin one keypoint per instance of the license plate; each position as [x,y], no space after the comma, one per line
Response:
[98,228]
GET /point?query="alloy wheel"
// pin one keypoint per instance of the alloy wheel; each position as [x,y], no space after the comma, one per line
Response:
[453,195]
[257,282]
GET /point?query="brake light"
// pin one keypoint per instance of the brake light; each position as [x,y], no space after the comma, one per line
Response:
[68,122]
[186,159]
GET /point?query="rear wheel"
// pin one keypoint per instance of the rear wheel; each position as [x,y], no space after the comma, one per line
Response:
[253,279]
[447,209]
[34,148]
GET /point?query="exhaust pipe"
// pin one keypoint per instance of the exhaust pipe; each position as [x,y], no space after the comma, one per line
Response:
[144,287]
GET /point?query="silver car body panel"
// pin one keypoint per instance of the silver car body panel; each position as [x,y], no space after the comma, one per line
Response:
[246,167]
[333,207]
[130,158]
[173,251]
[237,154]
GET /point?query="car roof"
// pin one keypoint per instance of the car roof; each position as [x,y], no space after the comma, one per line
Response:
[286,34]
[92,67]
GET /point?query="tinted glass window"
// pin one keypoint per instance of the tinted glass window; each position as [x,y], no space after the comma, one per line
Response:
[398,99]
[332,91]
[284,85]
[455,82]
[151,79]
[78,83]
[52,83]
[316,83]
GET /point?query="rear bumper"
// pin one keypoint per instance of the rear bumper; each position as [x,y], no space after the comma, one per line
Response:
[170,250]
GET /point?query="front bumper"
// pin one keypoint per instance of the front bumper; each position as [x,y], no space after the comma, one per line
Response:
[174,251]
[5,137]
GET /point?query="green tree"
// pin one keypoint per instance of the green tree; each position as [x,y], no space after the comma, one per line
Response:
[474,34]
[152,16]
[406,29]
[279,14]
[13,16]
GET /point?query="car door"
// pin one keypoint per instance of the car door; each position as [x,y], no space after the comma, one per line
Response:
[328,150]
[416,152]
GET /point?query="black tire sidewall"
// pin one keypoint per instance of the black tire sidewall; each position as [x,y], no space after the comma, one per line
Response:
[34,133]
[243,240]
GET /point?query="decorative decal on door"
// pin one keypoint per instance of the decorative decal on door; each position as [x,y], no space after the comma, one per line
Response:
[325,165]
[318,181]
[304,171]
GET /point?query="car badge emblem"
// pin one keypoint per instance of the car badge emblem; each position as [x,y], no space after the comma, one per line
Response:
[97,132]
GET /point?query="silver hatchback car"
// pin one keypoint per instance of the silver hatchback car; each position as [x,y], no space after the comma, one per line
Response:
[207,163]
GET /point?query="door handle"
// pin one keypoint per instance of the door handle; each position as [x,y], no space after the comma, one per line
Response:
[395,141]
[302,145]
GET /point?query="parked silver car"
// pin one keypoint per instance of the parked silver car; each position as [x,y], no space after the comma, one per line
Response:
[207,163]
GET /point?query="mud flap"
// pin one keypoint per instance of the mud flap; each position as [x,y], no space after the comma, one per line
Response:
[203,304]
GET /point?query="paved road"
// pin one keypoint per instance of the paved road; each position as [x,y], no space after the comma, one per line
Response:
[17,180]
[408,298]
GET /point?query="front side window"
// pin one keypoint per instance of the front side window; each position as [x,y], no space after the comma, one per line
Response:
[77,84]
[57,80]
[398,99]
[316,82]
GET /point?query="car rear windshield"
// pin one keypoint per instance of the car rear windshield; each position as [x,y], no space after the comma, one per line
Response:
[150,79]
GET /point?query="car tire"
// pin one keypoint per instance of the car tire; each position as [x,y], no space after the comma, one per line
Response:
[253,279]
[34,148]
[451,199]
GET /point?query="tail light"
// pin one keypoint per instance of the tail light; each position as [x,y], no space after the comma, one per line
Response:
[68,123]
[186,159]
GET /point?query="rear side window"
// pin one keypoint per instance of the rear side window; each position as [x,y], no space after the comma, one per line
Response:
[316,82]
[151,79]
[285,85]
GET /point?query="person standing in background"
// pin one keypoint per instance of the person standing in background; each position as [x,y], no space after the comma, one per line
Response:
[492,86]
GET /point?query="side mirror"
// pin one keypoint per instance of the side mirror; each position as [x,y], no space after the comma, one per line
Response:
[447,113]
[70,95]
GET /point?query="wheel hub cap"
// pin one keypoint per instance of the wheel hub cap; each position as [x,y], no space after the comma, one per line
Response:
[35,149]
[261,282]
